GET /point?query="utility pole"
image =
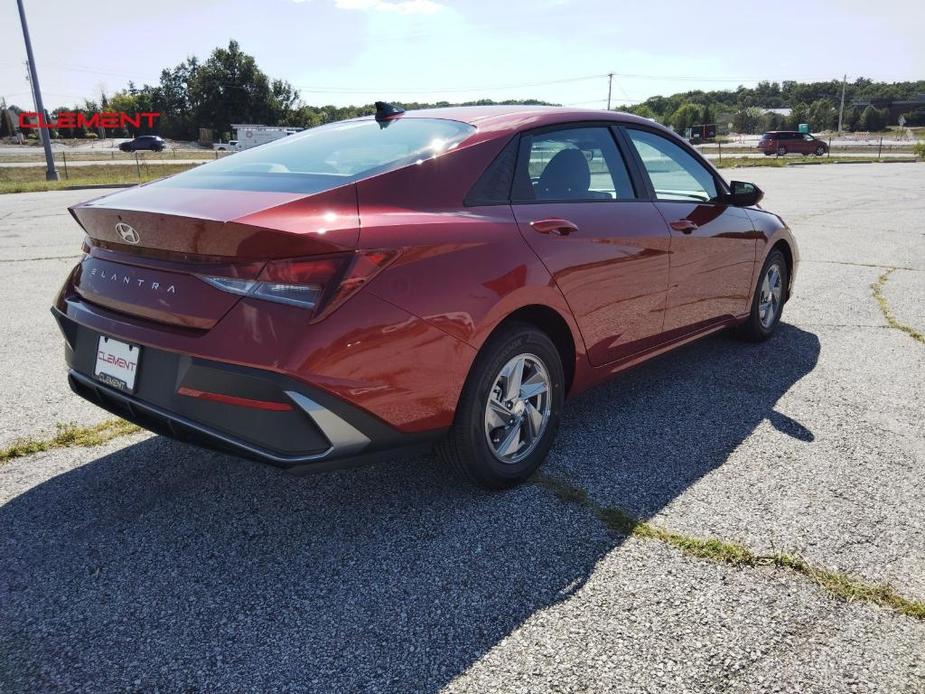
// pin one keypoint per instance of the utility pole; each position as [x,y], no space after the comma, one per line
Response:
[50,173]
[609,88]
[841,110]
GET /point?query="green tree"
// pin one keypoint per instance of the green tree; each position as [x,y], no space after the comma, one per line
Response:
[873,119]
[799,113]
[230,88]
[748,120]
[642,111]
[686,116]
[821,115]
[9,121]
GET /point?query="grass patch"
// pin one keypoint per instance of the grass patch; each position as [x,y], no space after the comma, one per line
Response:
[69,435]
[29,179]
[721,551]
[877,288]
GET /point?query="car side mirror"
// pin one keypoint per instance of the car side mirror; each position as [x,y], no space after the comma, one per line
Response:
[743,194]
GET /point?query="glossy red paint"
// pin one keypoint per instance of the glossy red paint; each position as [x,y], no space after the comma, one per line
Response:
[627,285]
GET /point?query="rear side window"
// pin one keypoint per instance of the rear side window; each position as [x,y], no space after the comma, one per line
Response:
[327,157]
[675,173]
[574,164]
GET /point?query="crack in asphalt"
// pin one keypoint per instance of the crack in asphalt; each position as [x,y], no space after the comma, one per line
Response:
[838,584]
[877,288]
[873,265]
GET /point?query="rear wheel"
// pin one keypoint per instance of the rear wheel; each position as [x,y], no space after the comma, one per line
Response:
[509,411]
[782,151]
[768,300]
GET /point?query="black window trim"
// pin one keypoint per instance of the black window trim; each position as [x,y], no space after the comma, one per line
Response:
[471,200]
[721,187]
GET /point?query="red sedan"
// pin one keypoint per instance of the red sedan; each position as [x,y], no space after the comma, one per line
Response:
[447,276]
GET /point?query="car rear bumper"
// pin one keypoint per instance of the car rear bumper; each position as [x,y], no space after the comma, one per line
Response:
[249,412]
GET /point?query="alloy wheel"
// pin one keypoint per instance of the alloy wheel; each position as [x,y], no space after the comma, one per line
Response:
[518,408]
[772,290]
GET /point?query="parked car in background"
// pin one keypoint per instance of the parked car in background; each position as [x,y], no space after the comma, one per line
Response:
[154,143]
[230,146]
[448,275]
[783,142]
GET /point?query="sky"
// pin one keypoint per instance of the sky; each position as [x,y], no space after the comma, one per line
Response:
[359,51]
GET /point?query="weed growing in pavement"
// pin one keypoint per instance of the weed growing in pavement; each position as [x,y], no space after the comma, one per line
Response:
[69,435]
[721,551]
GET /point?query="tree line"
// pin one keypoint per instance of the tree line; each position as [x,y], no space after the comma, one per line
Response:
[814,103]
[229,87]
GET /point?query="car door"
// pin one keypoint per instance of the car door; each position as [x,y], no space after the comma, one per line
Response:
[713,245]
[606,246]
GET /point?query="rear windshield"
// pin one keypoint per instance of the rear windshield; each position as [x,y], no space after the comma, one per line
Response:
[328,156]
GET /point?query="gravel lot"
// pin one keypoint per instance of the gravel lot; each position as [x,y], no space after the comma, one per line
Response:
[148,565]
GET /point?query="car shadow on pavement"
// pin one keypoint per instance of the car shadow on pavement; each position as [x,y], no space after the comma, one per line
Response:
[162,566]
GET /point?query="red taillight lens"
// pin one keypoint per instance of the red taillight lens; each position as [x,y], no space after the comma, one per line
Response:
[310,271]
[315,284]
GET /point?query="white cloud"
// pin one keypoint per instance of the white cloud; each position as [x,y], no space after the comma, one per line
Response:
[396,6]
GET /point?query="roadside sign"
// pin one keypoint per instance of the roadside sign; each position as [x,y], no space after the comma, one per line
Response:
[804,127]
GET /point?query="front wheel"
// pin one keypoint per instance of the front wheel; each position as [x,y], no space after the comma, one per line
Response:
[509,411]
[768,301]
[782,151]
[820,150]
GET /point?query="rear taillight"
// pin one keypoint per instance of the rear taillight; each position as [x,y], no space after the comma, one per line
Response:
[318,285]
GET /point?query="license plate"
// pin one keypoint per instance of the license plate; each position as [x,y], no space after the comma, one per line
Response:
[117,363]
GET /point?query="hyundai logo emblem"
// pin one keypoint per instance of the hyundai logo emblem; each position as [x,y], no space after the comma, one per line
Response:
[128,234]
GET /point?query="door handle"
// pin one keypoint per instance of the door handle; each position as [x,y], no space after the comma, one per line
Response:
[560,227]
[684,225]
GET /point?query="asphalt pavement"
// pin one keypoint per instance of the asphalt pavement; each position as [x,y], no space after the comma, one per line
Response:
[149,565]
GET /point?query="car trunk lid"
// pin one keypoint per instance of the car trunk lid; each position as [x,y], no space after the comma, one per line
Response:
[149,246]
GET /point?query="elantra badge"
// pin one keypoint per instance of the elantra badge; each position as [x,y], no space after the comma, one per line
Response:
[128,234]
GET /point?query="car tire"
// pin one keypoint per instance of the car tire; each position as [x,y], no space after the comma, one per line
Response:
[782,151]
[501,456]
[768,299]
[820,151]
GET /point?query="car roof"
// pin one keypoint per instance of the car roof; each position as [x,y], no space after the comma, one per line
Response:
[514,117]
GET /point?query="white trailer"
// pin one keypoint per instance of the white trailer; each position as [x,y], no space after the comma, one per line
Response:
[249,135]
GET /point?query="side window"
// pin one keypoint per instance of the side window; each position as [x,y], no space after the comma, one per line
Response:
[674,173]
[571,165]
